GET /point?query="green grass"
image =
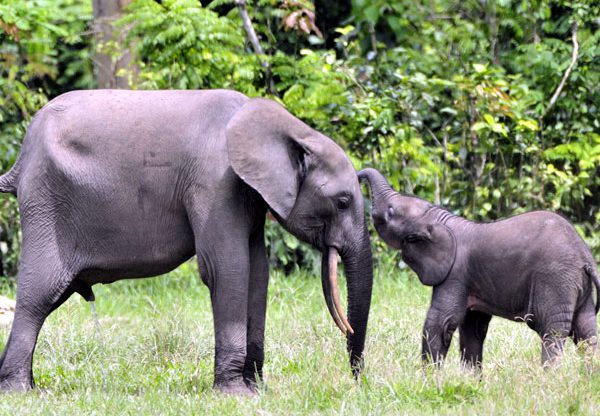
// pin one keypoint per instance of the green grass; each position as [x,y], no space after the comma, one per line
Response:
[155,356]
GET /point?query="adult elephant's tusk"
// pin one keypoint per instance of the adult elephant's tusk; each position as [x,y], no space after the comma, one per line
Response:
[327,294]
[335,291]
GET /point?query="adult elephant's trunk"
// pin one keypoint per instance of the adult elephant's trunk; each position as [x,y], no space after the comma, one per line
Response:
[380,189]
[358,265]
[359,276]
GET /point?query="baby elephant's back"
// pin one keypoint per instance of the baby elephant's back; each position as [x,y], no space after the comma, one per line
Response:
[548,236]
[525,258]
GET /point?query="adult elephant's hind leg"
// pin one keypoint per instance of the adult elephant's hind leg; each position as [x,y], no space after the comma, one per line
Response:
[472,335]
[41,288]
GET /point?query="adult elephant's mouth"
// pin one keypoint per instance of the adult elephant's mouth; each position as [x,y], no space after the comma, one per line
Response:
[331,291]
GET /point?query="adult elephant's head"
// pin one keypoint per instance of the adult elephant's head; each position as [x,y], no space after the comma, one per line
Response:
[312,189]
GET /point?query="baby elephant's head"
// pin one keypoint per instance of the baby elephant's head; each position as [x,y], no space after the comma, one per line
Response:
[406,223]
[395,216]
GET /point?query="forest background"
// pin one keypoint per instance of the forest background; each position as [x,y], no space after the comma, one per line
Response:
[489,108]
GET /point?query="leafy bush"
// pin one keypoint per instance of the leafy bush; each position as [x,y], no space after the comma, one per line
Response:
[181,45]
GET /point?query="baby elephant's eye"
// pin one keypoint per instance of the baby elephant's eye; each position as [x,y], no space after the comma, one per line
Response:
[391,211]
[343,202]
[413,238]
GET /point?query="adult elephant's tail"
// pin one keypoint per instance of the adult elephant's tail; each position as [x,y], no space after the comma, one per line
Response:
[8,181]
[593,275]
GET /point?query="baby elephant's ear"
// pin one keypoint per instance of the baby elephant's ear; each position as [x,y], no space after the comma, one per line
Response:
[431,253]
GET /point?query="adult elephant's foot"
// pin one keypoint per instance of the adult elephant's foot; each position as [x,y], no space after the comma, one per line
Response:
[8,385]
[237,388]
[257,385]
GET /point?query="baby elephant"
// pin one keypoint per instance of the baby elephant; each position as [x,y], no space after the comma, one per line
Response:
[532,267]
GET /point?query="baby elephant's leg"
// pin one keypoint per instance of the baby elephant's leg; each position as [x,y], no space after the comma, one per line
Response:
[555,312]
[553,342]
[445,314]
[437,334]
[584,328]
[553,301]
[472,335]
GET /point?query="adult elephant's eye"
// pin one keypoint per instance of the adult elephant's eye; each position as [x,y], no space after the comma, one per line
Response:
[343,202]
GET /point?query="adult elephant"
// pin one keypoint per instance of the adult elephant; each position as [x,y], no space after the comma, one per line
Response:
[124,184]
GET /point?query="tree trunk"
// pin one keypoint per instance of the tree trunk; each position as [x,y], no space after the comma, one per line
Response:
[108,61]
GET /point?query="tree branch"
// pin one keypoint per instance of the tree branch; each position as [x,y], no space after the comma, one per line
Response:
[247,23]
[567,73]
[373,38]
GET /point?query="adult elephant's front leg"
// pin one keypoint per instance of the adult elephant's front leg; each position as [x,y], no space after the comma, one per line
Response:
[225,269]
[257,309]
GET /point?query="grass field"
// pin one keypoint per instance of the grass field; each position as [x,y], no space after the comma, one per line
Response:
[155,356]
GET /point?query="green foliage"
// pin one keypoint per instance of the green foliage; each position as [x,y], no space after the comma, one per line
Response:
[310,85]
[37,39]
[181,45]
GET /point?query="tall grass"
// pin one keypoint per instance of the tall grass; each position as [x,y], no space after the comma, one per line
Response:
[154,355]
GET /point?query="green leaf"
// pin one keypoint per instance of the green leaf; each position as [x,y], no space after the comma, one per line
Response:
[489,119]
[372,13]
[479,68]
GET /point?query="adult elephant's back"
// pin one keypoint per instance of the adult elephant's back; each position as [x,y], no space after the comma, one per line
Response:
[114,131]
[117,166]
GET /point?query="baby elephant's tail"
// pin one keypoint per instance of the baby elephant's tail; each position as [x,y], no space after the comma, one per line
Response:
[593,275]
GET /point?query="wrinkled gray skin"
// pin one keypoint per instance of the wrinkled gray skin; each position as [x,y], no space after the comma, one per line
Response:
[122,184]
[532,267]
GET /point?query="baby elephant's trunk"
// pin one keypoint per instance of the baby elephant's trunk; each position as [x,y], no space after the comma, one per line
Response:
[380,189]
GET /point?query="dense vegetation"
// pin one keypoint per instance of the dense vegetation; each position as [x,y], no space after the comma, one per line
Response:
[487,107]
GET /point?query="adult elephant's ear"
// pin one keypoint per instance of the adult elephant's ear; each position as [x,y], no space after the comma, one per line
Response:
[267,149]
[430,252]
